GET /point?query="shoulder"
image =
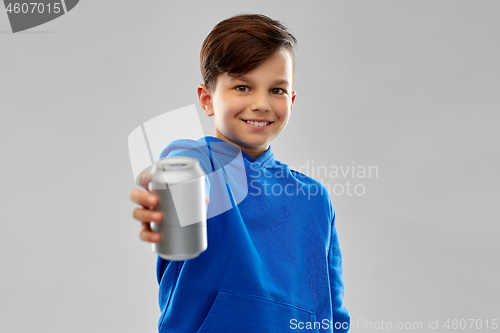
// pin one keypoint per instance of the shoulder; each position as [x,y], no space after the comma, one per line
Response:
[311,188]
[299,175]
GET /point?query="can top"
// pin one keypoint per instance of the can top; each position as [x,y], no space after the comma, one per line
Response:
[176,169]
[177,163]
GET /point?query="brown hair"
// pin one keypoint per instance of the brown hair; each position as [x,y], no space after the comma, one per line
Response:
[240,44]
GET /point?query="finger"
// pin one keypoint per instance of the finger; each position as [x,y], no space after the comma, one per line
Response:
[145,199]
[207,200]
[147,215]
[147,235]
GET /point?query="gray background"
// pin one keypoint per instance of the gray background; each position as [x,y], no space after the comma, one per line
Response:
[408,86]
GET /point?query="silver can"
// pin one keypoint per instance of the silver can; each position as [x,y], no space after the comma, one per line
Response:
[179,182]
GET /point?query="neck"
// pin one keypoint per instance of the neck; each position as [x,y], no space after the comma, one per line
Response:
[255,152]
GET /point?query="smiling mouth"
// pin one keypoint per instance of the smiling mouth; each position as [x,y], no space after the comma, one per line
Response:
[258,124]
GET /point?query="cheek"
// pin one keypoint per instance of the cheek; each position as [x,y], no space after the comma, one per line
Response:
[236,104]
[282,109]
[233,108]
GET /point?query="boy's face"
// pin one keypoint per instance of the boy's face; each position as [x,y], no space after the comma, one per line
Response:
[263,94]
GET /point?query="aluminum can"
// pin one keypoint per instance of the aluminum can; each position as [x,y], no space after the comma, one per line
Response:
[179,182]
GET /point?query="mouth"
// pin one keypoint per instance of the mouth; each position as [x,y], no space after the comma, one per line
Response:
[258,124]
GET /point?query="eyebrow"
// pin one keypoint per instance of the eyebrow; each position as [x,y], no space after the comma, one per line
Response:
[248,80]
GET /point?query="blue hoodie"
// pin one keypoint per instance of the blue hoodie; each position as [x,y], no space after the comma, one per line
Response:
[273,262]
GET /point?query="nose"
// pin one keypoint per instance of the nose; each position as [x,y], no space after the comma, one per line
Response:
[260,102]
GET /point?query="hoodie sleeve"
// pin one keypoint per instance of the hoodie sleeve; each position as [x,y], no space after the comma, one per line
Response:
[341,316]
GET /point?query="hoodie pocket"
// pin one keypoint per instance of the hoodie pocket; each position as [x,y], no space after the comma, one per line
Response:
[242,313]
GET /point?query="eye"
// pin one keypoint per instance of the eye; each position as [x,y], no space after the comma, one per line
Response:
[238,88]
[277,91]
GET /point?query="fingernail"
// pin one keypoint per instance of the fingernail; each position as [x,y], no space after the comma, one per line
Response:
[151,200]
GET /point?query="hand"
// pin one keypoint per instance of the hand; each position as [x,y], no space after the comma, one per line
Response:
[144,214]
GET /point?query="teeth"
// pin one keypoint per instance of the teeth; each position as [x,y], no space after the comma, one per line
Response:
[261,124]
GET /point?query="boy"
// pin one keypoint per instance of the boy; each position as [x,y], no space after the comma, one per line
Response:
[273,262]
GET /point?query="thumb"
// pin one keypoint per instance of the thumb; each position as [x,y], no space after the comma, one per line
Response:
[144,179]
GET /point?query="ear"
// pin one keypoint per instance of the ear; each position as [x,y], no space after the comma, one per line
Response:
[205,99]
[293,100]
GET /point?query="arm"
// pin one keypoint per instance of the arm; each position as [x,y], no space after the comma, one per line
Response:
[340,314]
